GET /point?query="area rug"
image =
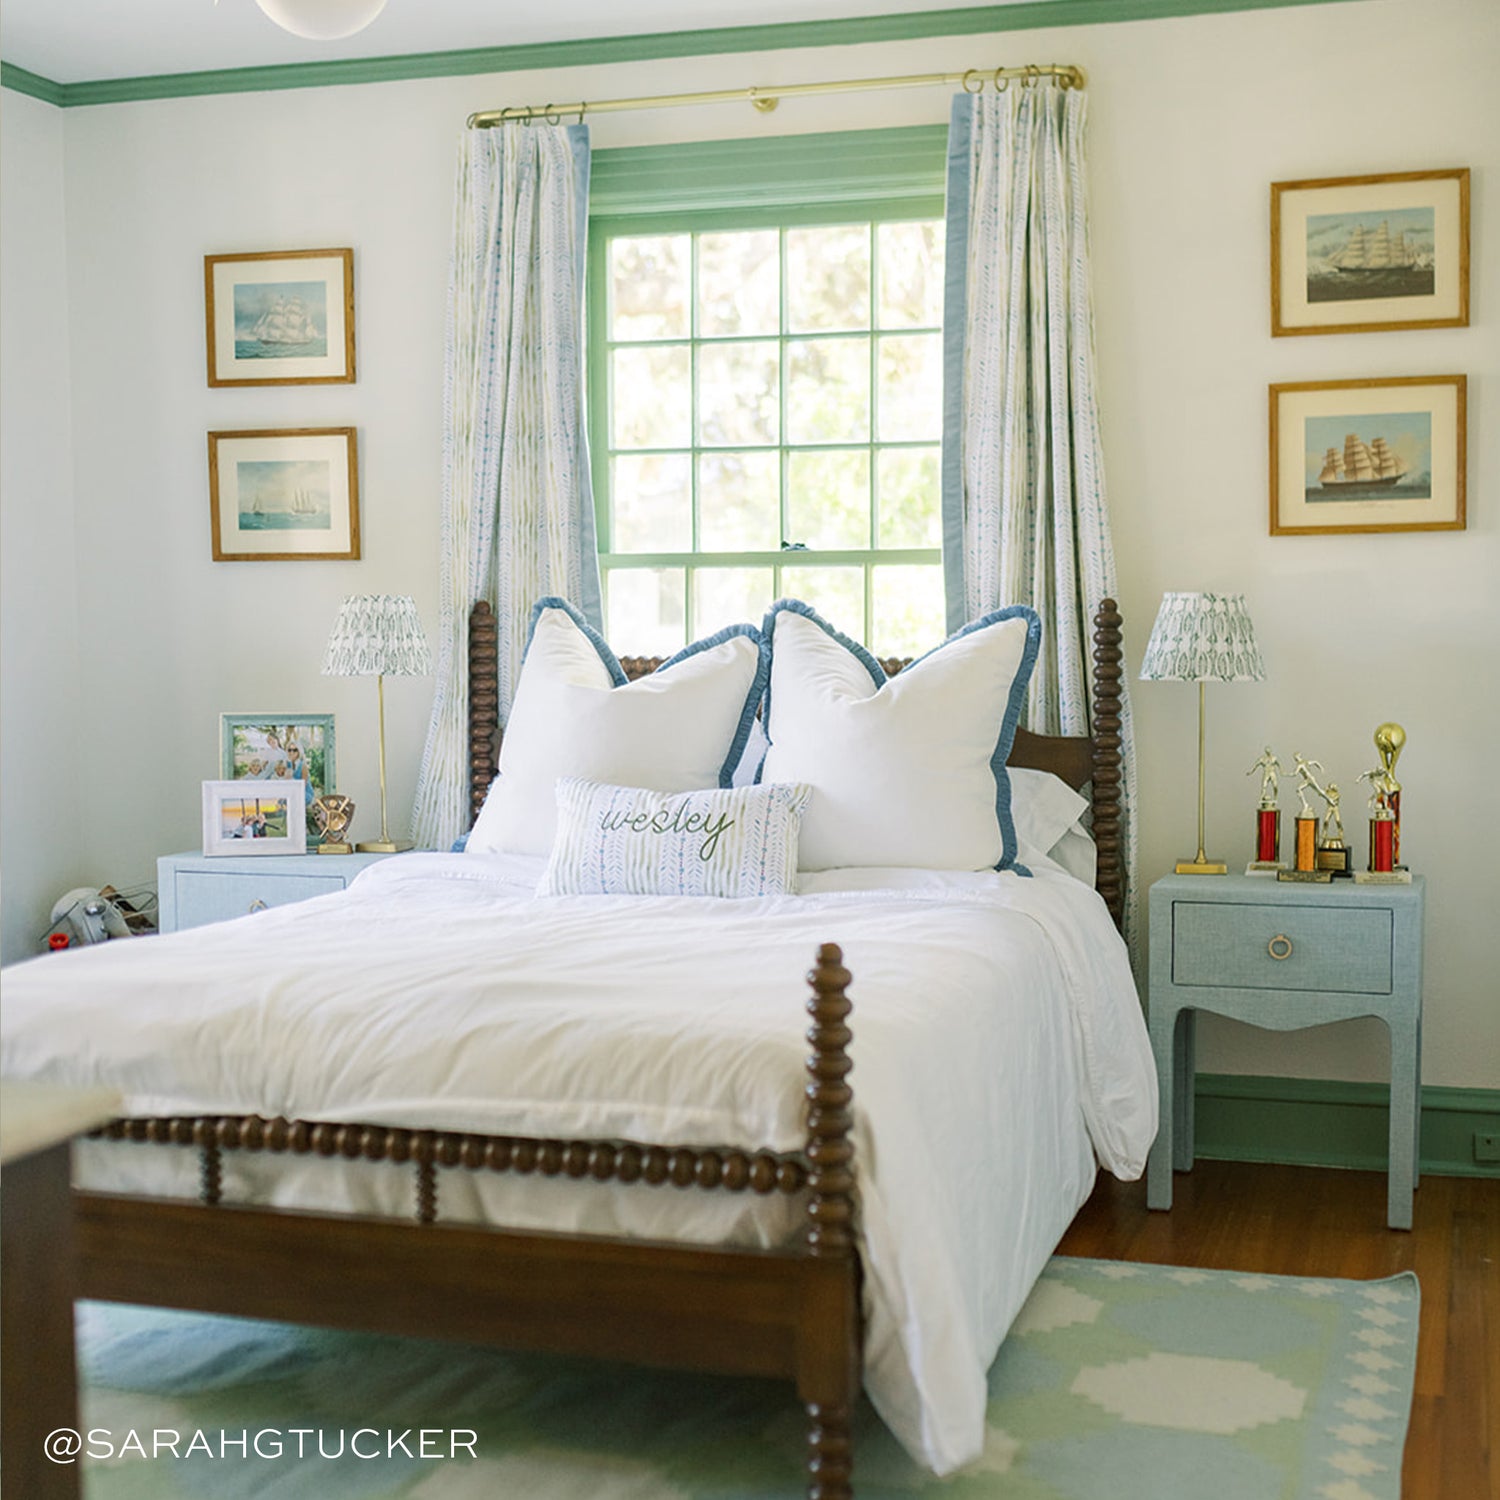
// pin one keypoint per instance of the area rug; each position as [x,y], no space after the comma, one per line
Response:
[1118,1380]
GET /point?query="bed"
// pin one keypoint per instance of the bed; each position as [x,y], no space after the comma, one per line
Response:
[714,1217]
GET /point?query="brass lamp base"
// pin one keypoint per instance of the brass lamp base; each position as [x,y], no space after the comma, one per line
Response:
[381,846]
[1200,866]
[335,848]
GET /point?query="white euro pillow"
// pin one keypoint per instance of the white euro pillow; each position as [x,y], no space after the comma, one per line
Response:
[908,770]
[681,728]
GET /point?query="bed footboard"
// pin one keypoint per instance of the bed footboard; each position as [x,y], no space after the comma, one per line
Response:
[791,1312]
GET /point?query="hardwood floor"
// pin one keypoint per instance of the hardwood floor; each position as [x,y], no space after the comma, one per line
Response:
[1306,1221]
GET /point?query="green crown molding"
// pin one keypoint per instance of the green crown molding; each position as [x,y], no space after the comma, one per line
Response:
[12,77]
[960,21]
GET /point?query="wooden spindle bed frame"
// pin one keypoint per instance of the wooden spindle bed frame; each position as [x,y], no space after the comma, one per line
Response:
[792,1312]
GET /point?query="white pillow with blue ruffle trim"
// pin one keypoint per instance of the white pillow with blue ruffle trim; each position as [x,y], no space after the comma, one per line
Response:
[908,770]
[682,728]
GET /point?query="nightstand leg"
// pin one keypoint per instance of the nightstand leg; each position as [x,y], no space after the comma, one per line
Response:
[1184,1148]
[1405,1106]
[1159,1163]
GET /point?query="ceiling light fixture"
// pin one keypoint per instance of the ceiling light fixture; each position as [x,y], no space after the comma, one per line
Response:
[322,20]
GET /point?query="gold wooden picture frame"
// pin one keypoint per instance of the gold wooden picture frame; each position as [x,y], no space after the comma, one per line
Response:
[280,317]
[284,495]
[1368,455]
[1370,254]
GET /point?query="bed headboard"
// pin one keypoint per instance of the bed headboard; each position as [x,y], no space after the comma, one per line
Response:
[1092,762]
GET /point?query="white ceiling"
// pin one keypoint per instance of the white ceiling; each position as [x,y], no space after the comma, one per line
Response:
[75,41]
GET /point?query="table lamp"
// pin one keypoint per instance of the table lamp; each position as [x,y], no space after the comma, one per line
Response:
[1202,638]
[378,635]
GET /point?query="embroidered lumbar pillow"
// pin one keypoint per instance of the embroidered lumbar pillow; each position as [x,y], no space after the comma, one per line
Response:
[908,770]
[682,728]
[625,841]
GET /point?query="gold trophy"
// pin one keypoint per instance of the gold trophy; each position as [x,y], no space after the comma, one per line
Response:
[1382,868]
[1267,859]
[1390,740]
[1308,867]
[332,813]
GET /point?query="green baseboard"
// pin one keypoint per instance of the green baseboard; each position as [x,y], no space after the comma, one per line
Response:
[1322,1123]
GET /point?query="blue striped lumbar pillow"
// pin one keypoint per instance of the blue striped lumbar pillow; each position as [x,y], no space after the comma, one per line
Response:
[617,840]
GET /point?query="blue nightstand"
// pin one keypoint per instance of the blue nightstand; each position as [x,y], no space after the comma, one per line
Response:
[1284,956]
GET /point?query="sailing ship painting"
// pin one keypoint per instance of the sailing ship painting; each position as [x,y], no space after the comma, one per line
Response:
[280,320]
[284,495]
[1388,253]
[1381,456]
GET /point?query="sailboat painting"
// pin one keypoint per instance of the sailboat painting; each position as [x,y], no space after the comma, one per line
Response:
[280,319]
[284,494]
[1357,256]
[1370,456]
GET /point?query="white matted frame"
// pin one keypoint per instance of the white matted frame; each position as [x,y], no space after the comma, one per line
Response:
[280,317]
[1368,455]
[284,495]
[253,817]
[1370,254]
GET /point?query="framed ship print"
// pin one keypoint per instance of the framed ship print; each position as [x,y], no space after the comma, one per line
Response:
[284,495]
[280,317]
[1368,455]
[1370,254]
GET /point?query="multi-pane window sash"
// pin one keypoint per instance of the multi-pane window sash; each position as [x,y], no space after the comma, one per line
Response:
[766,420]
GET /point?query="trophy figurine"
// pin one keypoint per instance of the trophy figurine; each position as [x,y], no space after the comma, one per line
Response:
[1267,859]
[1382,866]
[332,813]
[1390,739]
[1310,865]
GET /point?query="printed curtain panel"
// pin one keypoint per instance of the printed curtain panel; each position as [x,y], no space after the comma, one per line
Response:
[517,503]
[1024,517]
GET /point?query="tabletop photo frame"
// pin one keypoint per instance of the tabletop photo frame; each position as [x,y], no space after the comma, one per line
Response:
[253,818]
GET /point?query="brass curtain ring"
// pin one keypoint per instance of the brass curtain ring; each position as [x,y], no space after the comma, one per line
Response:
[583,109]
[1032,74]
[1000,81]
[550,115]
[973,73]
[1280,946]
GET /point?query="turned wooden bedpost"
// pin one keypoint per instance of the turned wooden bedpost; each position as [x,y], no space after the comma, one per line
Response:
[484,702]
[828,1374]
[1110,880]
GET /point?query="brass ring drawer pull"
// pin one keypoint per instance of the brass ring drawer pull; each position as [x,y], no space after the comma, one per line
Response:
[1280,946]
[257,905]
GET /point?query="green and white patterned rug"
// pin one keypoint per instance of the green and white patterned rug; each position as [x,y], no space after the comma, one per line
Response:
[1135,1382]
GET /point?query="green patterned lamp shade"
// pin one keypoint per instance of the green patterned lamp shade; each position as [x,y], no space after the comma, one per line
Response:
[377,635]
[1203,638]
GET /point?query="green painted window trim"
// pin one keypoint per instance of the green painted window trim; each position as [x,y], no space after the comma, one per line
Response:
[1327,1123]
[776,182]
[977,20]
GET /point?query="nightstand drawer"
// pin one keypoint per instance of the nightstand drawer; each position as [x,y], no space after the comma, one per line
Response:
[208,897]
[1342,950]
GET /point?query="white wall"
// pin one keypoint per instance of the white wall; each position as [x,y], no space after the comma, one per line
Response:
[41,673]
[1191,120]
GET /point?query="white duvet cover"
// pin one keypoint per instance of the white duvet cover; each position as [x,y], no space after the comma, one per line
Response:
[998,1047]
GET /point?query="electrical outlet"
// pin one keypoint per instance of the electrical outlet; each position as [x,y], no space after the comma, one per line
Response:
[1486,1146]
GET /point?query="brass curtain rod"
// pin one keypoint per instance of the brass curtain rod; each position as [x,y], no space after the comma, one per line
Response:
[766,99]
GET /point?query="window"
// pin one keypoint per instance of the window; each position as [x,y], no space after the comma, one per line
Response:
[766,418]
